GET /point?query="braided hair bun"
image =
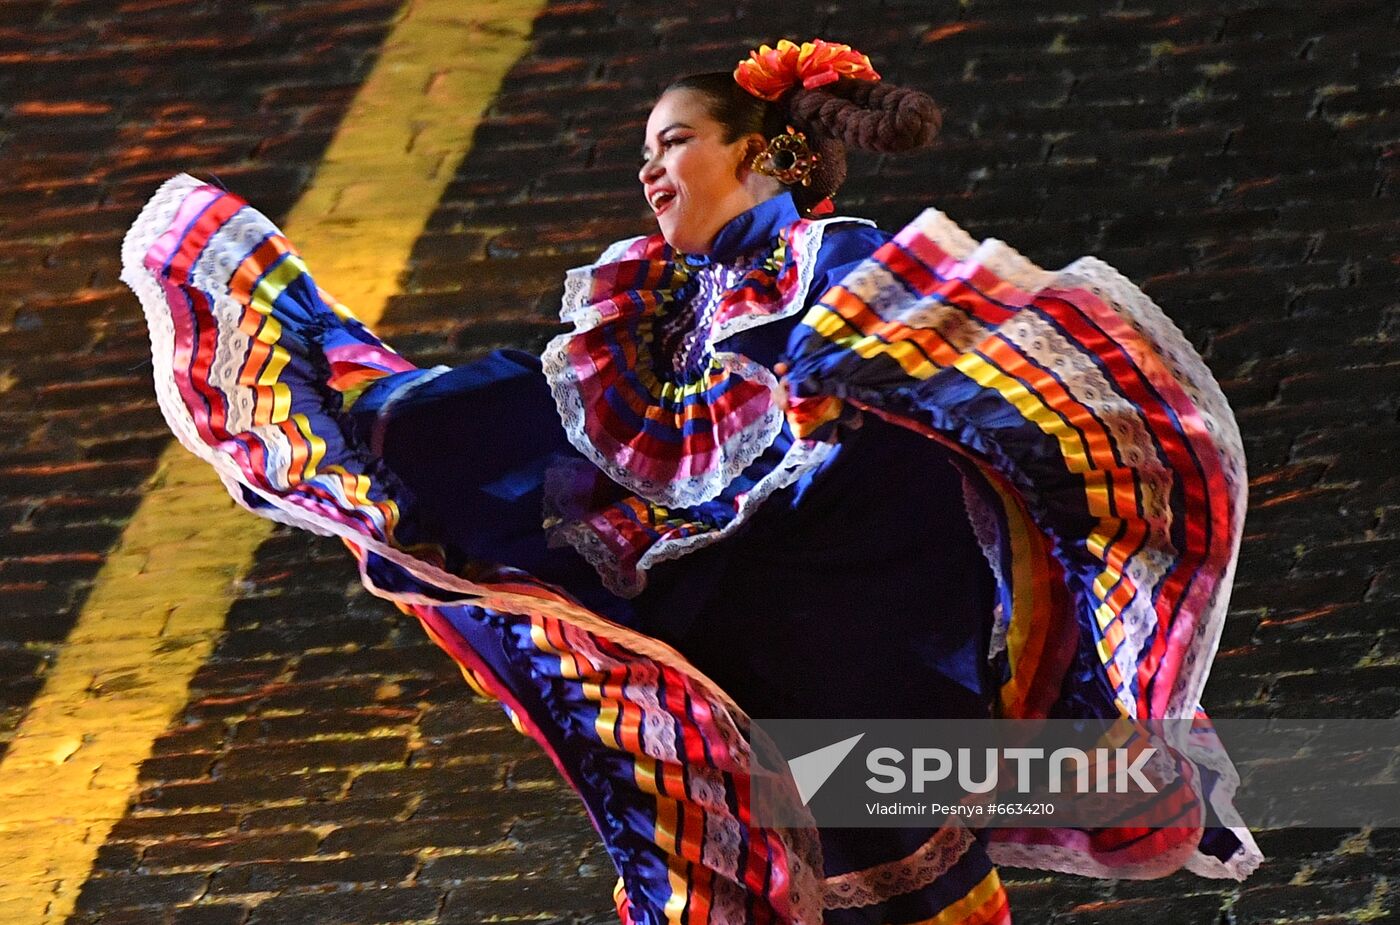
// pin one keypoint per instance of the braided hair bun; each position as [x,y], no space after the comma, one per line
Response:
[864,114]
[870,115]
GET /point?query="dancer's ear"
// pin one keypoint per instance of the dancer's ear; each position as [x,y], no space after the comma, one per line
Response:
[754,145]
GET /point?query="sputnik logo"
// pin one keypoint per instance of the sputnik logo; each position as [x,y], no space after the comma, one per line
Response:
[811,770]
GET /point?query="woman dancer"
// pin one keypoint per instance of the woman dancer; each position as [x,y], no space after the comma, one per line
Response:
[784,465]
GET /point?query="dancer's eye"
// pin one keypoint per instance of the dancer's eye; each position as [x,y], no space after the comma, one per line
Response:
[665,143]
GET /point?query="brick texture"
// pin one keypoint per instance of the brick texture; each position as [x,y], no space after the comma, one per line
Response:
[1239,160]
[98,103]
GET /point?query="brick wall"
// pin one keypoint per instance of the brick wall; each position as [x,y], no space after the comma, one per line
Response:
[97,105]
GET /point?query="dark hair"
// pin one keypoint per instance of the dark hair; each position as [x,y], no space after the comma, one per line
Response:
[738,110]
[865,114]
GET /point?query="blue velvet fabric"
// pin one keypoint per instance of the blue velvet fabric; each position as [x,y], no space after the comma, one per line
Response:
[473,446]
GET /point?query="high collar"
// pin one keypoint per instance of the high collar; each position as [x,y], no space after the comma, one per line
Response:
[749,229]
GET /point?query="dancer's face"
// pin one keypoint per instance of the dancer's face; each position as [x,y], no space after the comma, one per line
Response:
[694,180]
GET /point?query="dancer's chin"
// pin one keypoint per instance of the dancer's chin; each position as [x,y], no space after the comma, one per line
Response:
[680,241]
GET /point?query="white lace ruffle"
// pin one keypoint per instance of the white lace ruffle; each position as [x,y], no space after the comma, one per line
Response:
[1186,367]
[738,452]
[872,885]
[984,530]
[1189,371]
[155,217]
[735,455]
[802,457]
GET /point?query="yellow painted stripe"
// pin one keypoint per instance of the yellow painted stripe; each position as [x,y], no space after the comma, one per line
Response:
[159,603]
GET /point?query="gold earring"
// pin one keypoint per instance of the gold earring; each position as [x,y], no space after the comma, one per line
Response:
[787,159]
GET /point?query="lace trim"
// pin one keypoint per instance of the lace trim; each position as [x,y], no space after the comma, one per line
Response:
[211,272]
[596,553]
[1004,849]
[738,452]
[806,269]
[871,885]
[984,530]
[1203,747]
[155,217]
[801,458]
[578,282]
[1240,865]
[1194,377]
[1070,860]
[576,305]
[1132,443]
[1187,368]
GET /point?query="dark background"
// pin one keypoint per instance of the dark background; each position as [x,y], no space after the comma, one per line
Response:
[1240,161]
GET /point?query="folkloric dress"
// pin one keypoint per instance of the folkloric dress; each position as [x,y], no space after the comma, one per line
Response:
[996,491]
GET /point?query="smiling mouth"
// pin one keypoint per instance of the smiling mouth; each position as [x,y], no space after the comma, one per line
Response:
[662,201]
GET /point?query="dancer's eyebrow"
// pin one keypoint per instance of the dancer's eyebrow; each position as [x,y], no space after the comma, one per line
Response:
[646,151]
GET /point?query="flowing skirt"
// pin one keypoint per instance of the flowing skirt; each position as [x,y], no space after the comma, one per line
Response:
[1095,454]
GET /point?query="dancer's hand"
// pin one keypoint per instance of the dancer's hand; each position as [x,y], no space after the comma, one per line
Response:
[782,370]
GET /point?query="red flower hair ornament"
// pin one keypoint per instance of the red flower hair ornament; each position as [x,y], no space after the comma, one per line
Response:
[770,72]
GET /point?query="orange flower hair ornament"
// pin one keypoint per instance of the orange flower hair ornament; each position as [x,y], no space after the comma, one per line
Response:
[770,72]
